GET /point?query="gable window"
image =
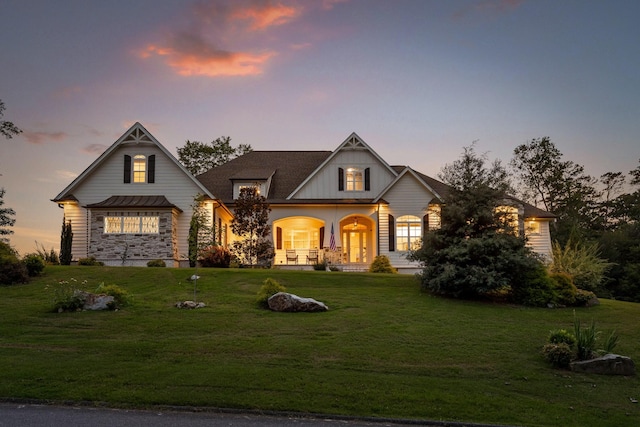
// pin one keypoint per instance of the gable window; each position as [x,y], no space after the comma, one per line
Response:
[141,168]
[354,179]
[408,232]
[131,224]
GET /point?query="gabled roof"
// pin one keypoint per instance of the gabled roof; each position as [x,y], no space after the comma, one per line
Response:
[136,134]
[353,142]
[135,202]
[429,183]
[288,168]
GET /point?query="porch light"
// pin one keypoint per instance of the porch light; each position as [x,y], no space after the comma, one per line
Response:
[355,223]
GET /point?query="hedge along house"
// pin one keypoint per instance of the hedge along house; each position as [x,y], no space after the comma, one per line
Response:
[134,204]
[348,205]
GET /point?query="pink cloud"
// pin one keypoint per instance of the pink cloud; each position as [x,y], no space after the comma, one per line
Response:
[264,16]
[41,137]
[94,148]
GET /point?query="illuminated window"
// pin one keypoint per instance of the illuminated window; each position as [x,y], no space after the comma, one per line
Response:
[257,187]
[354,179]
[301,239]
[139,168]
[131,224]
[408,233]
[532,227]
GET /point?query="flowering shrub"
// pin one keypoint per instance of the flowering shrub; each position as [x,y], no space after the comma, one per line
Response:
[67,296]
[215,256]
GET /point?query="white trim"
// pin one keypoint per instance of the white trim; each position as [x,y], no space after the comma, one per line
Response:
[406,170]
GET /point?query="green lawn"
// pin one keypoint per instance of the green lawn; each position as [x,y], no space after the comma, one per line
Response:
[383,349]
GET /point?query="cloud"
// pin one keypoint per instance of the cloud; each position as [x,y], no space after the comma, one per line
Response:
[41,137]
[95,148]
[228,38]
[66,175]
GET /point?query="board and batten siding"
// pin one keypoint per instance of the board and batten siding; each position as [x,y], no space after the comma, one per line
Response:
[324,184]
[170,181]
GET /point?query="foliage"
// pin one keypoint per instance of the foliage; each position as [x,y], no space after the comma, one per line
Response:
[533,287]
[581,262]
[558,336]
[564,289]
[156,263]
[90,261]
[215,256]
[561,187]
[269,288]
[321,265]
[475,252]
[6,218]
[199,230]
[50,257]
[584,298]
[12,270]
[586,338]
[610,343]
[7,128]
[381,264]
[66,243]
[621,247]
[559,355]
[121,296]
[34,264]
[199,157]
[67,296]
[251,224]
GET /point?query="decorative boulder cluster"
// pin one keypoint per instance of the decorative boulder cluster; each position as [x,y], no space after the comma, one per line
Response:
[283,301]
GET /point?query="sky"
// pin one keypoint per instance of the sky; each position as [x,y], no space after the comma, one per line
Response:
[417,80]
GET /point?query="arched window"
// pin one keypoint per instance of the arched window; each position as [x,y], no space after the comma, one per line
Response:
[139,168]
[408,232]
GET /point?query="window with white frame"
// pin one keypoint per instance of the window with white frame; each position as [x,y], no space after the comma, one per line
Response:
[139,168]
[132,224]
[408,233]
[301,239]
[354,179]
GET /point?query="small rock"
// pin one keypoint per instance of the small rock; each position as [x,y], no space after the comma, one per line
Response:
[190,304]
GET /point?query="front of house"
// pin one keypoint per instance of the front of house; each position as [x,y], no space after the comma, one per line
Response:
[344,206]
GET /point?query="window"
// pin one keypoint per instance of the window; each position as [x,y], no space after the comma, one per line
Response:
[143,169]
[131,224]
[354,179]
[139,168]
[533,227]
[408,232]
[256,186]
[301,239]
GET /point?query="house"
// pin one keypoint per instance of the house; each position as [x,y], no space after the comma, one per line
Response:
[345,206]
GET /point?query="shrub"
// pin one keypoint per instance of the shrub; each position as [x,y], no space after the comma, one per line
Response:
[584,298]
[320,265]
[559,355]
[585,340]
[610,343]
[120,296]
[12,271]
[534,287]
[215,256]
[67,296]
[558,336]
[381,264]
[582,262]
[270,287]
[50,257]
[156,263]
[91,261]
[564,289]
[34,264]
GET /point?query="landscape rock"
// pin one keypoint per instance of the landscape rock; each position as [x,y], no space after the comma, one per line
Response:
[190,304]
[283,301]
[96,301]
[609,364]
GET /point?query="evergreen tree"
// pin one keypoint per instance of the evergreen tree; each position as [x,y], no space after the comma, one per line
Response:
[6,219]
[66,241]
[199,231]
[251,224]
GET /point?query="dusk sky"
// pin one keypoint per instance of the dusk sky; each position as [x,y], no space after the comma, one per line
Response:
[417,80]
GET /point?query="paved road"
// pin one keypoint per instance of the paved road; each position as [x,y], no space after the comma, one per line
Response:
[30,415]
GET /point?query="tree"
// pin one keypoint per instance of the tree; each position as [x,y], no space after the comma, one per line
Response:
[476,251]
[66,242]
[6,218]
[561,187]
[199,157]
[251,224]
[199,231]
[7,129]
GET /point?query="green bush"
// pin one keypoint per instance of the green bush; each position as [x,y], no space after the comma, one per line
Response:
[91,261]
[564,289]
[320,265]
[559,355]
[67,296]
[585,340]
[120,296]
[12,271]
[34,264]
[582,262]
[156,263]
[534,287]
[215,256]
[381,264]
[558,336]
[270,287]
[584,298]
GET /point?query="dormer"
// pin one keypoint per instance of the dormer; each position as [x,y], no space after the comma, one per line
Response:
[259,178]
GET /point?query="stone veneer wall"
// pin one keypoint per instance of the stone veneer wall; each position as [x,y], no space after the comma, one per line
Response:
[136,249]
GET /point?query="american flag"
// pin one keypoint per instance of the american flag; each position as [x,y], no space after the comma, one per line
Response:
[332,240]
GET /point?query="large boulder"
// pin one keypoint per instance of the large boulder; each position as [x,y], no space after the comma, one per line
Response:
[609,364]
[96,301]
[283,301]
[190,304]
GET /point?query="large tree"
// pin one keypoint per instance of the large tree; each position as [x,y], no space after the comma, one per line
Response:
[7,129]
[476,250]
[199,157]
[250,222]
[560,187]
[6,218]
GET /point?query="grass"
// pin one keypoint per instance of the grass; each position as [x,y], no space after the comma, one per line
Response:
[384,349]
